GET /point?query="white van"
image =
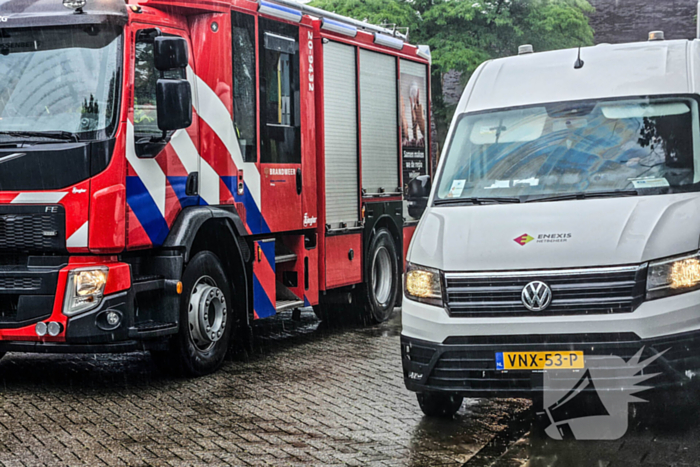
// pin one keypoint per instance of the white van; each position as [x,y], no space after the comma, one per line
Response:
[564,222]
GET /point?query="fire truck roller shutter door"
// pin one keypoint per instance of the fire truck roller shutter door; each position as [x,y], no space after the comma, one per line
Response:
[379,123]
[340,126]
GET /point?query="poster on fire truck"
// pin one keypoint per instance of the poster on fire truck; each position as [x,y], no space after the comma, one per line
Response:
[414,119]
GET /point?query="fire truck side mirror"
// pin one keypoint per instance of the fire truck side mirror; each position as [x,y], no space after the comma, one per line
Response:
[174,103]
[417,196]
[170,53]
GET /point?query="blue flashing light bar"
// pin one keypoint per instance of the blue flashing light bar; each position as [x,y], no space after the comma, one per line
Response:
[338,27]
[388,41]
[279,11]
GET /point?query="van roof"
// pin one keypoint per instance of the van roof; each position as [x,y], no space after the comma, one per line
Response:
[635,69]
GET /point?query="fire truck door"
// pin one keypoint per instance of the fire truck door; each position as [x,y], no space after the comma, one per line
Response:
[163,169]
[280,126]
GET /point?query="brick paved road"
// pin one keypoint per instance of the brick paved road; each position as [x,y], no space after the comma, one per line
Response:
[308,395]
[665,431]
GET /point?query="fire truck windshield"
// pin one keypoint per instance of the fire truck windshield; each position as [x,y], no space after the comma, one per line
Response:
[59,79]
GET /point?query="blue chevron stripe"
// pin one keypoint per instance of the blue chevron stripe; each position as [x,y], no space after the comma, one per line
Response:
[146,210]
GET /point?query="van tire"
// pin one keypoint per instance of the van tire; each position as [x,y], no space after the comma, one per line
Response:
[206,319]
[378,295]
[439,405]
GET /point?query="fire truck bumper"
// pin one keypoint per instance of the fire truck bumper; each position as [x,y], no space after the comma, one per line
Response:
[33,298]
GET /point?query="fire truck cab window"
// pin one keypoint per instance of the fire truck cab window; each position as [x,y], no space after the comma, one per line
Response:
[244,104]
[60,79]
[280,120]
[145,78]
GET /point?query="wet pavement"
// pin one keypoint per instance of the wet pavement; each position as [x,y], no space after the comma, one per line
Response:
[664,431]
[308,395]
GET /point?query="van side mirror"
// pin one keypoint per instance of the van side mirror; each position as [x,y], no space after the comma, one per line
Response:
[170,53]
[174,103]
[417,196]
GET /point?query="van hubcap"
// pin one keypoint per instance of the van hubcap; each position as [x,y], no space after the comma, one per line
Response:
[207,313]
[382,275]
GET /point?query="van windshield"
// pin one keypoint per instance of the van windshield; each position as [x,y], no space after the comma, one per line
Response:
[59,79]
[640,146]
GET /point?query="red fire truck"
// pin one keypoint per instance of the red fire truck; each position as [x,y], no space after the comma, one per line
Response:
[171,170]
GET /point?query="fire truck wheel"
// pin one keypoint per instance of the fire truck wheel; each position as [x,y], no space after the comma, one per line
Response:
[206,319]
[379,294]
[439,405]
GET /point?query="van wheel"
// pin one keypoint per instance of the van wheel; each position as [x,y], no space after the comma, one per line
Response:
[206,318]
[439,405]
[378,296]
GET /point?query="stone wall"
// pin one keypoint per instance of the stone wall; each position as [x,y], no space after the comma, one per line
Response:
[618,21]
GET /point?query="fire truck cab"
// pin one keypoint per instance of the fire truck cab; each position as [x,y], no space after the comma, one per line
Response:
[172,170]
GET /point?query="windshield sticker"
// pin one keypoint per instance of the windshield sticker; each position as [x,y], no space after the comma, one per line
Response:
[651,183]
[498,184]
[528,181]
[457,189]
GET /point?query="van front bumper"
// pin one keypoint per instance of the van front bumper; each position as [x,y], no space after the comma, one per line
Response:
[467,365]
[457,355]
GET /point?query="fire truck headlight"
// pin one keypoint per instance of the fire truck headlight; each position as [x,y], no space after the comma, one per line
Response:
[424,284]
[84,290]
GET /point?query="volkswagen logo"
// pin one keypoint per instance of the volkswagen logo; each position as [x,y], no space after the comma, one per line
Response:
[536,296]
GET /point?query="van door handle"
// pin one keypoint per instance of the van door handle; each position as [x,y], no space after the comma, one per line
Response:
[299,181]
[192,184]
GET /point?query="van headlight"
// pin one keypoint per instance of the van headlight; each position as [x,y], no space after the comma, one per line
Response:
[673,276]
[424,284]
[84,290]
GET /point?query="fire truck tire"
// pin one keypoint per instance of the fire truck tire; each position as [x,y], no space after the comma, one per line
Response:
[378,296]
[206,319]
[439,405]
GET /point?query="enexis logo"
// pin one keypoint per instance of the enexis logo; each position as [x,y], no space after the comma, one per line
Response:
[523,240]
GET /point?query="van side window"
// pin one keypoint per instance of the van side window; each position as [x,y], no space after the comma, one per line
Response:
[280,135]
[244,77]
[145,78]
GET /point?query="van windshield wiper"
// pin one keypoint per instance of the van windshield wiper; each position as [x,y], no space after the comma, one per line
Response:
[65,135]
[583,195]
[477,200]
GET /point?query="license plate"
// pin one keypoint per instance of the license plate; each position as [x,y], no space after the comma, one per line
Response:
[539,360]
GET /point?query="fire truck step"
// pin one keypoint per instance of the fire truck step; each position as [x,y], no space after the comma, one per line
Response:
[150,283]
[283,254]
[286,299]
[153,329]
[283,305]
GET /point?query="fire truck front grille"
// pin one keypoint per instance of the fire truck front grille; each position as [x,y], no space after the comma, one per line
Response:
[32,229]
[20,283]
[573,292]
